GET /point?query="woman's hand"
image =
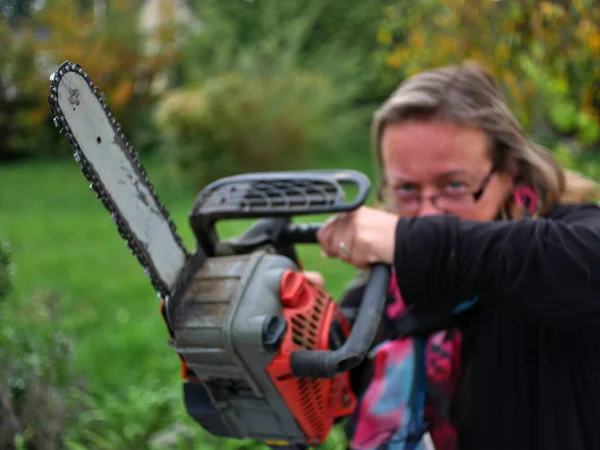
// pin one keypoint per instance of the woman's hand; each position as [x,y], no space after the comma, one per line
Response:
[362,237]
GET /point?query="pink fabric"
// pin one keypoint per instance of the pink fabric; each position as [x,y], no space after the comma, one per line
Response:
[375,428]
[382,410]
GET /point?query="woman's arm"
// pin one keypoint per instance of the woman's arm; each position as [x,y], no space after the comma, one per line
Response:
[547,269]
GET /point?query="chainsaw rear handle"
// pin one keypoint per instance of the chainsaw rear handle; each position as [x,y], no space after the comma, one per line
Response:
[328,363]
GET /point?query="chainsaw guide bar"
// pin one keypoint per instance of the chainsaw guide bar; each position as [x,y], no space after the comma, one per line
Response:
[161,251]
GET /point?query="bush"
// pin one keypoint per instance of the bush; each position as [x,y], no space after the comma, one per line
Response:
[238,122]
[135,418]
[37,379]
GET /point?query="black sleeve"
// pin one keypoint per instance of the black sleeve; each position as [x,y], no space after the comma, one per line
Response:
[547,270]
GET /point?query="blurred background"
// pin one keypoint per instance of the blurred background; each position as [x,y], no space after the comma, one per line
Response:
[204,89]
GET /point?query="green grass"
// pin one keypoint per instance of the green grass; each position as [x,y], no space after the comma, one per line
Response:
[63,240]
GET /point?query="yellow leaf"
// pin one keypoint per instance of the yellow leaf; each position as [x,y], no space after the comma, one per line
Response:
[579,6]
[502,52]
[394,60]
[593,41]
[547,9]
[416,40]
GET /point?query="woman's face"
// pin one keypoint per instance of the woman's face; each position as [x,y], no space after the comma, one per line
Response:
[435,168]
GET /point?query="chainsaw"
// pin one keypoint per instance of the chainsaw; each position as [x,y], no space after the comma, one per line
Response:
[265,353]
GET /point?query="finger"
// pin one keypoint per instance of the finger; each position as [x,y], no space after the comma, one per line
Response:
[335,234]
[347,250]
[345,238]
[327,235]
[324,231]
[315,278]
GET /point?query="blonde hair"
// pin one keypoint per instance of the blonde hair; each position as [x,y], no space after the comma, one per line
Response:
[468,95]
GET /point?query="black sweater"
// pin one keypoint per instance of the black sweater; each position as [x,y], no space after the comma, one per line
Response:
[531,346]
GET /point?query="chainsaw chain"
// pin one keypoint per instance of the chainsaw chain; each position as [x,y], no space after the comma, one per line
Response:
[96,185]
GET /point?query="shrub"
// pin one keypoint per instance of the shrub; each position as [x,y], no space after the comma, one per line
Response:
[254,98]
[235,123]
[37,378]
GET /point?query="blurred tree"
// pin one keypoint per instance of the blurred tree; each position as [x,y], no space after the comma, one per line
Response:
[338,32]
[546,54]
[267,85]
[21,93]
[111,47]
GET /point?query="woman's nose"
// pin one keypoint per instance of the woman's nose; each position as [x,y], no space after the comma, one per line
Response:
[428,208]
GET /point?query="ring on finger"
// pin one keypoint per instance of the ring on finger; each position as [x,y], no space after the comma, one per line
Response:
[344,248]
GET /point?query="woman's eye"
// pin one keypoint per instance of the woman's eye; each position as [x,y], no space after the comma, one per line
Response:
[405,189]
[455,186]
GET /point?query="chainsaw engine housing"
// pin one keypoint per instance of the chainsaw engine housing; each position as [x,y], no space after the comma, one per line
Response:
[266,354]
[235,326]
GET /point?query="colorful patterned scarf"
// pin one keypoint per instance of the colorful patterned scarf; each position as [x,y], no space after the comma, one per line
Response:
[387,416]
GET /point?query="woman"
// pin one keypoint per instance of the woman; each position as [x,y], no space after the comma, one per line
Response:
[477,210]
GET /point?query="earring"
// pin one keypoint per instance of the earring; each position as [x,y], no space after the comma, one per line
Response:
[526,198]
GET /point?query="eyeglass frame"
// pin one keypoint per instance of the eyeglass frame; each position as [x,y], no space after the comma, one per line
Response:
[476,195]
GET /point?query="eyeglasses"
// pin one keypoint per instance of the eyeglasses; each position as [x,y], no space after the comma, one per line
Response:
[409,201]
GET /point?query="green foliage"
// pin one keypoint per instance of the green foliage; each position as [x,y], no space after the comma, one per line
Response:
[562,107]
[546,54]
[132,419]
[260,104]
[21,125]
[37,377]
[586,163]
[240,122]
[333,35]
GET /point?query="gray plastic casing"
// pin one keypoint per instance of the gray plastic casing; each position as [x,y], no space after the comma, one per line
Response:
[217,329]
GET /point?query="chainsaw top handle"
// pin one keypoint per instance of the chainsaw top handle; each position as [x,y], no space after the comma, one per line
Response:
[282,194]
[329,363]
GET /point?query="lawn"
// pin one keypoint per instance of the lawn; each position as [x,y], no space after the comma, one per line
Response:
[63,241]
